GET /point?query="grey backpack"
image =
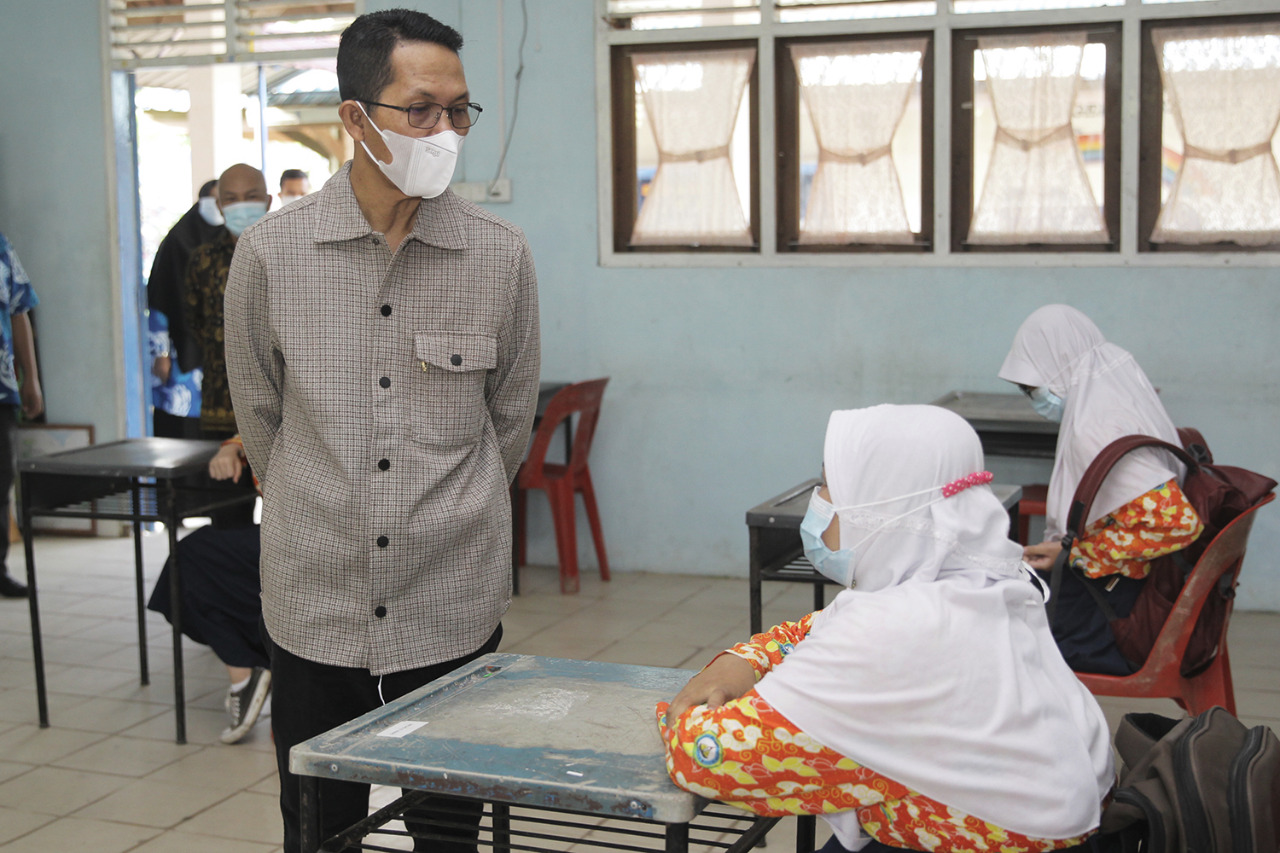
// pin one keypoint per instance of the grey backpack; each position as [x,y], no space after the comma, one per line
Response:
[1203,784]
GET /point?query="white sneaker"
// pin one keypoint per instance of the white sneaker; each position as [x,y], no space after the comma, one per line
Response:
[244,705]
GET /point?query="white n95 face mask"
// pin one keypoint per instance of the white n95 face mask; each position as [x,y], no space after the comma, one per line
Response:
[207,206]
[421,166]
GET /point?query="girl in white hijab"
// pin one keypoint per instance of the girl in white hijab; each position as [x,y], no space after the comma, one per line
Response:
[1099,393]
[926,707]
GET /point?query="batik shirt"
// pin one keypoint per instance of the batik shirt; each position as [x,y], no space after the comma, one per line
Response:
[16,297]
[1151,525]
[206,286]
[747,754]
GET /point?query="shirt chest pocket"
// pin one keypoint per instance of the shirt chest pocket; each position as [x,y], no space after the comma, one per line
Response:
[447,403]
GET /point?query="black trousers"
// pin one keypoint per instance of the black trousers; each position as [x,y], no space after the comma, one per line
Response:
[8,467]
[309,698]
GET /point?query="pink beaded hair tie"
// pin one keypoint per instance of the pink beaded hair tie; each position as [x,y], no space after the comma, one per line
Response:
[978,478]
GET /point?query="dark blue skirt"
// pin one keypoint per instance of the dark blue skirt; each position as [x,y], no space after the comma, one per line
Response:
[221,593]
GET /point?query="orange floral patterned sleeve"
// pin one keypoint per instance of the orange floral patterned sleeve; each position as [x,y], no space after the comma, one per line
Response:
[1149,526]
[747,754]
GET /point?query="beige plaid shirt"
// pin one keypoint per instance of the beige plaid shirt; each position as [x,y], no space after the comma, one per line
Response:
[385,402]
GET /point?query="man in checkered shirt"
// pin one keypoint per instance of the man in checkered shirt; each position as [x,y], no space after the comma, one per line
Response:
[382,347]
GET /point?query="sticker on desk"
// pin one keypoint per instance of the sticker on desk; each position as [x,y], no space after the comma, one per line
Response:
[401,728]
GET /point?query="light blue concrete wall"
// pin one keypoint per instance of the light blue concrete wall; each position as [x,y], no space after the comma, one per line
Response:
[56,201]
[722,379]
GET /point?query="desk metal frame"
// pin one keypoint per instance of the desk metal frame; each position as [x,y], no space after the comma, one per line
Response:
[135,480]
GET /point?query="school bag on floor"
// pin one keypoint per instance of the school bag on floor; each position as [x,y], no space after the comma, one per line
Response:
[1218,493]
[1205,784]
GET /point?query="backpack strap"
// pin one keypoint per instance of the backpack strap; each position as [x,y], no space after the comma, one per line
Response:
[1082,501]
[1102,464]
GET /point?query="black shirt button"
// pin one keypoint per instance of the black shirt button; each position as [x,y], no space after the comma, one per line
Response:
[385,382]
[386,310]
[383,541]
[380,611]
[384,464]
[455,359]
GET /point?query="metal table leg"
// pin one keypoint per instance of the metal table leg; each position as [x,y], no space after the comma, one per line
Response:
[37,647]
[175,608]
[677,838]
[139,581]
[309,813]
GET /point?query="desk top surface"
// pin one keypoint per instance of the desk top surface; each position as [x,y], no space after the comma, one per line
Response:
[996,412]
[161,458]
[577,735]
[788,509]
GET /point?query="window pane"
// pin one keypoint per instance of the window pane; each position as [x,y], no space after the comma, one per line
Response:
[860,141]
[789,11]
[693,148]
[969,6]
[1219,147]
[1038,131]
[673,14]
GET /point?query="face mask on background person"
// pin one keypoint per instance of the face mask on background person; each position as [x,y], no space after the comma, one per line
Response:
[207,207]
[242,214]
[420,166]
[1047,404]
[286,199]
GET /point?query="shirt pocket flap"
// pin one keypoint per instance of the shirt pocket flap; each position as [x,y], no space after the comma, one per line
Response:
[455,352]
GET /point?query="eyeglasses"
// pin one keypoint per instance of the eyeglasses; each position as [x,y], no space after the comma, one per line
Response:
[425,116]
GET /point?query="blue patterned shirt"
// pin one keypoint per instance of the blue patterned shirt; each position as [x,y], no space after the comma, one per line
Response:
[16,297]
[180,394]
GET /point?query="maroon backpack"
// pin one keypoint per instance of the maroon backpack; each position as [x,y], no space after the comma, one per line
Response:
[1218,493]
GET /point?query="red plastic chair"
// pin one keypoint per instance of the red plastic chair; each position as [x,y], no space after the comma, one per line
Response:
[1161,675]
[561,482]
[1033,501]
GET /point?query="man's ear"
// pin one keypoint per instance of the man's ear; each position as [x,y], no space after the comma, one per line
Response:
[354,120]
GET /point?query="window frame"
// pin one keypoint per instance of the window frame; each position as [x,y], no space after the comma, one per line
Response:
[622,126]
[787,128]
[962,150]
[1151,142]
[1131,17]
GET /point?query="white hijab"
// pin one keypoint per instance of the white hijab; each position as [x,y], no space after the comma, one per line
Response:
[938,669]
[1106,396]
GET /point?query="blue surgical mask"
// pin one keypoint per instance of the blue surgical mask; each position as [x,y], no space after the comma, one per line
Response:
[1047,404]
[242,214]
[836,565]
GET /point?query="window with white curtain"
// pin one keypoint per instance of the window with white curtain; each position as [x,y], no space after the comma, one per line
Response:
[689,146]
[854,97]
[1221,100]
[1036,140]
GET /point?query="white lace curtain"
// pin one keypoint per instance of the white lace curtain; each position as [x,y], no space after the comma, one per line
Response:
[1223,87]
[856,93]
[1036,189]
[692,99]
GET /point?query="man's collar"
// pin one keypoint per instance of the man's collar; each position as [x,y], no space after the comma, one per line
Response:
[437,223]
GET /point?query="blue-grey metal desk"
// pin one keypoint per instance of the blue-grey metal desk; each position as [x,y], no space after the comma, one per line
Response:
[776,553]
[136,480]
[547,743]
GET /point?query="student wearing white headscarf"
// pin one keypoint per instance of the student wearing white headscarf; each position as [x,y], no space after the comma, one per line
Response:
[925,708]
[1099,393]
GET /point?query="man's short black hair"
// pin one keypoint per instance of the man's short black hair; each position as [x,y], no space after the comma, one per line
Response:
[207,189]
[292,175]
[364,53]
